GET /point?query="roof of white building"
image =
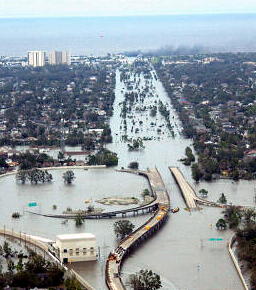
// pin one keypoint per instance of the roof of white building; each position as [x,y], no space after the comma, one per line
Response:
[75,236]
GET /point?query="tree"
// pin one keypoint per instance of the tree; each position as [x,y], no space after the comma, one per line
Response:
[196,172]
[249,216]
[68,176]
[222,199]
[203,192]
[79,219]
[10,266]
[21,175]
[145,280]
[19,265]
[233,216]
[253,279]
[36,263]
[6,248]
[134,165]
[221,224]
[123,228]
[72,284]
[104,156]
[15,215]
[33,175]
[190,156]
[136,144]
[235,175]
[61,156]
[55,274]
[145,192]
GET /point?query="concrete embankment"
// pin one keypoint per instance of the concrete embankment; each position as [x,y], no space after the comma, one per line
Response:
[233,257]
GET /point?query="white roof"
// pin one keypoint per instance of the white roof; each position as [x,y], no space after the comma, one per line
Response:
[75,236]
[40,239]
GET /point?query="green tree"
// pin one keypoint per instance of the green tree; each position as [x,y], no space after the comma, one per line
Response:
[134,165]
[235,175]
[221,224]
[222,199]
[10,266]
[68,176]
[102,157]
[19,265]
[79,220]
[6,248]
[36,263]
[145,280]
[233,215]
[71,283]
[203,192]
[123,228]
[196,172]
[61,156]
[21,175]
[249,216]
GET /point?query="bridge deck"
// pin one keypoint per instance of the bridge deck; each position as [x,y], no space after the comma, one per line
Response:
[115,259]
[186,190]
[154,182]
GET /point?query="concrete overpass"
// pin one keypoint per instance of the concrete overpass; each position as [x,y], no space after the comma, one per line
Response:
[115,259]
[188,192]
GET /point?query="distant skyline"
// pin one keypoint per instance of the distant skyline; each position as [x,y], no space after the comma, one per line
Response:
[65,8]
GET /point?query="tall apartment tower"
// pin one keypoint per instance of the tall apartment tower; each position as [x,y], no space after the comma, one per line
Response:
[36,58]
[59,57]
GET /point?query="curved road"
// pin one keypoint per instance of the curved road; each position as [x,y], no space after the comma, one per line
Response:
[153,182]
[115,259]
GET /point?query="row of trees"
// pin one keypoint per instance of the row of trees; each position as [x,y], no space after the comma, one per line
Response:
[34,176]
[38,175]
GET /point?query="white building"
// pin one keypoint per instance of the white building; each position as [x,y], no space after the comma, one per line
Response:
[36,58]
[76,247]
[59,57]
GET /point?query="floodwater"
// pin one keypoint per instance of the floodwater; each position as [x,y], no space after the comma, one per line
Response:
[181,251]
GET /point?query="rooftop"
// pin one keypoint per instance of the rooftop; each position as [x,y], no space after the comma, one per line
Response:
[75,236]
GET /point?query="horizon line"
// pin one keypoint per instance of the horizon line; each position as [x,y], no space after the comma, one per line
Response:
[124,15]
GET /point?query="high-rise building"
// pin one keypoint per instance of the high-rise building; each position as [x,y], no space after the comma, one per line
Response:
[59,57]
[36,58]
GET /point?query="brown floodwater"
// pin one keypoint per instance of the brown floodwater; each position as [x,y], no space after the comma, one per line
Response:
[181,251]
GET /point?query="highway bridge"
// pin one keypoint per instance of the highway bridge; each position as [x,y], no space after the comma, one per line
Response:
[188,192]
[154,183]
[115,258]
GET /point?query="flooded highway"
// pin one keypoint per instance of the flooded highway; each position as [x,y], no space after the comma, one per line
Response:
[181,251]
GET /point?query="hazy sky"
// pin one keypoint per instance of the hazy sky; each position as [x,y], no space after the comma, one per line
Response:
[23,8]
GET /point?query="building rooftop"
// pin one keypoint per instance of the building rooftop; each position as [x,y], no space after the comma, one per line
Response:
[75,236]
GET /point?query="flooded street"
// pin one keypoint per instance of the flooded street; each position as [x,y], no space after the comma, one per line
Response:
[181,251]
